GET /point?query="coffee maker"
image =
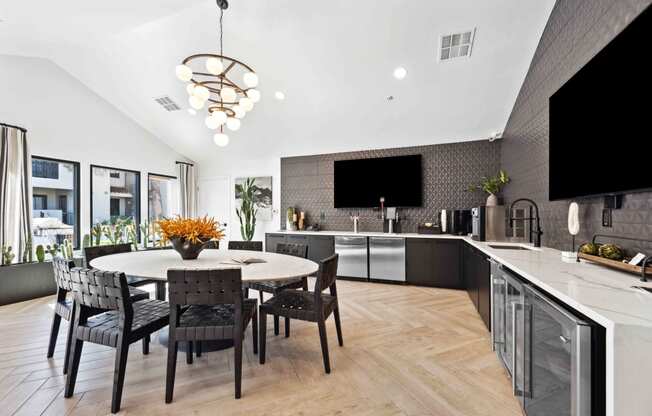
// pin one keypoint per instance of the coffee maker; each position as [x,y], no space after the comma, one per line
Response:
[478,223]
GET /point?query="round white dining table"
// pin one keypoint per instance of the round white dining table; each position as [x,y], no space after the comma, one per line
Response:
[154,264]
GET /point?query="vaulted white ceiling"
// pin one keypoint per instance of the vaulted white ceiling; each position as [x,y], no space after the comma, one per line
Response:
[333,60]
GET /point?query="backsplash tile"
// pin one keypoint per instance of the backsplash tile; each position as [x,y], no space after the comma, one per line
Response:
[448,170]
[575,32]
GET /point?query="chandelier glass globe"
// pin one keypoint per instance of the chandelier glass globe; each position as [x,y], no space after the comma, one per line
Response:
[184,73]
[214,66]
[247,104]
[212,122]
[221,139]
[228,94]
[196,102]
[233,123]
[238,111]
[250,79]
[219,116]
[201,92]
[190,88]
[254,95]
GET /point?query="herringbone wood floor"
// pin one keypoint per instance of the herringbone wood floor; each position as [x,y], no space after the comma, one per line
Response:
[407,351]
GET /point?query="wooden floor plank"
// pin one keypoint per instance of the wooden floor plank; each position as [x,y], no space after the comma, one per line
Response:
[424,353]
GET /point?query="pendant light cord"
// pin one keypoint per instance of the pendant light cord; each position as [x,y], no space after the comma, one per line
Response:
[221,32]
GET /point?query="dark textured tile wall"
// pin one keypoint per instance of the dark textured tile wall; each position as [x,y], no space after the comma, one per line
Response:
[575,32]
[448,171]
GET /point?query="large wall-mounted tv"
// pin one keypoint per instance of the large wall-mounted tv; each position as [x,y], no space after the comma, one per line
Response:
[601,120]
[360,183]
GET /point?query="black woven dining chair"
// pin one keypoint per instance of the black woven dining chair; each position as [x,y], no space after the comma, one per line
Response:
[64,305]
[307,306]
[93,252]
[207,305]
[123,323]
[275,287]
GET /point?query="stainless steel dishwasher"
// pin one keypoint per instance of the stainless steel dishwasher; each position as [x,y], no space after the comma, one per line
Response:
[353,257]
[387,258]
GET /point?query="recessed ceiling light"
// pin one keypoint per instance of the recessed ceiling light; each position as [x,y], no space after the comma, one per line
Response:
[279,95]
[192,111]
[400,72]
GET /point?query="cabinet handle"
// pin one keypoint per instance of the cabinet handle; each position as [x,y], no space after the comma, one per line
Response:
[564,340]
[515,307]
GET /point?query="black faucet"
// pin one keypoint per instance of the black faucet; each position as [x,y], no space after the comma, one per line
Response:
[538,232]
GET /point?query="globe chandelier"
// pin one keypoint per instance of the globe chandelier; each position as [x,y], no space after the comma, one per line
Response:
[225,86]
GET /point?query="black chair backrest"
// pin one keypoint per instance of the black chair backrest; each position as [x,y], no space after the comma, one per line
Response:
[327,274]
[212,245]
[246,245]
[98,289]
[205,287]
[62,268]
[91,253]
[297,250]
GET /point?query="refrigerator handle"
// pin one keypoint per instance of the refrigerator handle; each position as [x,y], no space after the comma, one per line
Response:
[515,307]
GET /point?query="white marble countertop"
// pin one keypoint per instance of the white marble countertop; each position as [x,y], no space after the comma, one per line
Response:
[600,293]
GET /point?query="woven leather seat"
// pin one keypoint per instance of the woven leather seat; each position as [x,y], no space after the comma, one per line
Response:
[208,305]
[124,323]
[64,306]
[105,328]
[202,322]
[307,306]
[277,286]
[299,304]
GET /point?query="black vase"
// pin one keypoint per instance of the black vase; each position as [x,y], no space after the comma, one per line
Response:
[187,249]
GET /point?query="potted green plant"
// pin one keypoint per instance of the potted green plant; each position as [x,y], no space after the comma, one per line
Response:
[247,211]
[492,185]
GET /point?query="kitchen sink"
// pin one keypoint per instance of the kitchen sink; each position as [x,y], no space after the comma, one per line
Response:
[508,247]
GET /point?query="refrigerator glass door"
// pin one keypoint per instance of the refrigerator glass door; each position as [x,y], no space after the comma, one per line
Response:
[557,377]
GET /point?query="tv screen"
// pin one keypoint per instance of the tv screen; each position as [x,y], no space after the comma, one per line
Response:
[361,183]
[600,120]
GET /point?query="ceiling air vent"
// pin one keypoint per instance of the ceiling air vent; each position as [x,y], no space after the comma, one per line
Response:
[167,103]
[456,45]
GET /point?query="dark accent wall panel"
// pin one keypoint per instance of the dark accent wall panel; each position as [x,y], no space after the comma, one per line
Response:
[448,171]
[575,32]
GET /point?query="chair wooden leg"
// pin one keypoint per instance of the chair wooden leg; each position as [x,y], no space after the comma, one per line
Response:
[260,296]
[304,283]
[146,341]
[338,325]
[160,290]
[198,347]
[262,338]
[237,358]
[54,332]
[119,371]
[66,361]
[246,292]
[324,345]
[287,327]
[172,369]
[73,366]
[254,330]
[276,325]
[189,352]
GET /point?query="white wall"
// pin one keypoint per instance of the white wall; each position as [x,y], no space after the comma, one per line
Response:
[66,120]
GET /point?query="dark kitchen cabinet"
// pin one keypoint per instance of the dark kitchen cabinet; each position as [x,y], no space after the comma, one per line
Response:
[476,273]
[319,246]
[432,262]
[271,240]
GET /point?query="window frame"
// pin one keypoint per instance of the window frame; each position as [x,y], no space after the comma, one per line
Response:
[149,175]
[76,244]
[138,192]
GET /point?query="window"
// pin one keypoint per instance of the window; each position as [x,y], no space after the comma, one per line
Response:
[115,196]
[163,196]
[55,201]
[45,169]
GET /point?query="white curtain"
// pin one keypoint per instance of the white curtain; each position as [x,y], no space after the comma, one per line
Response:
[187,190]
[15,189]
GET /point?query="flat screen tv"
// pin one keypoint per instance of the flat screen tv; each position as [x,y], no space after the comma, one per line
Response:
[601,120]
[361,183]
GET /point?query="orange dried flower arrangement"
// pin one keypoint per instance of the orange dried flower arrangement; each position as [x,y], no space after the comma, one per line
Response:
[194,230]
